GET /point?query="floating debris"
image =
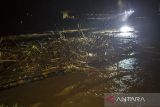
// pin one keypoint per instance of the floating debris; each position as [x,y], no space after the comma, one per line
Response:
[30,60]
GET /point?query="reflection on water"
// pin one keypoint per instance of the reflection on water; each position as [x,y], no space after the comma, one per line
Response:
[126,35]
[127,63]
[99,64]
[122,77]
[131,54]
[117,64]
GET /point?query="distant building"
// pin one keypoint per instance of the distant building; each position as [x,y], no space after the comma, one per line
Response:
[67,15]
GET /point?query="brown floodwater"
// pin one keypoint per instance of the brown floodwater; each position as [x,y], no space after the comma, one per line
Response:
[129,64]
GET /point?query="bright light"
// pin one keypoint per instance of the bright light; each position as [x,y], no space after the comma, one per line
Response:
[131,12]
[127,14]
[126,29]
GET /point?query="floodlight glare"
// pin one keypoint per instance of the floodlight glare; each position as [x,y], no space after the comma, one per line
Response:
[127,14]
[130,11]
[125,29]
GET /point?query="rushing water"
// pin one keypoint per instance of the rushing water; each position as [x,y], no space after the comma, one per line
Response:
[127,63]
[124,66]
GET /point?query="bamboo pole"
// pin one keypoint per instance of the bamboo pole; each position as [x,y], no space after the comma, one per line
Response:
[1,61]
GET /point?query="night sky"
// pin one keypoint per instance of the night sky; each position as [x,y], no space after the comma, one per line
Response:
[40,15]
